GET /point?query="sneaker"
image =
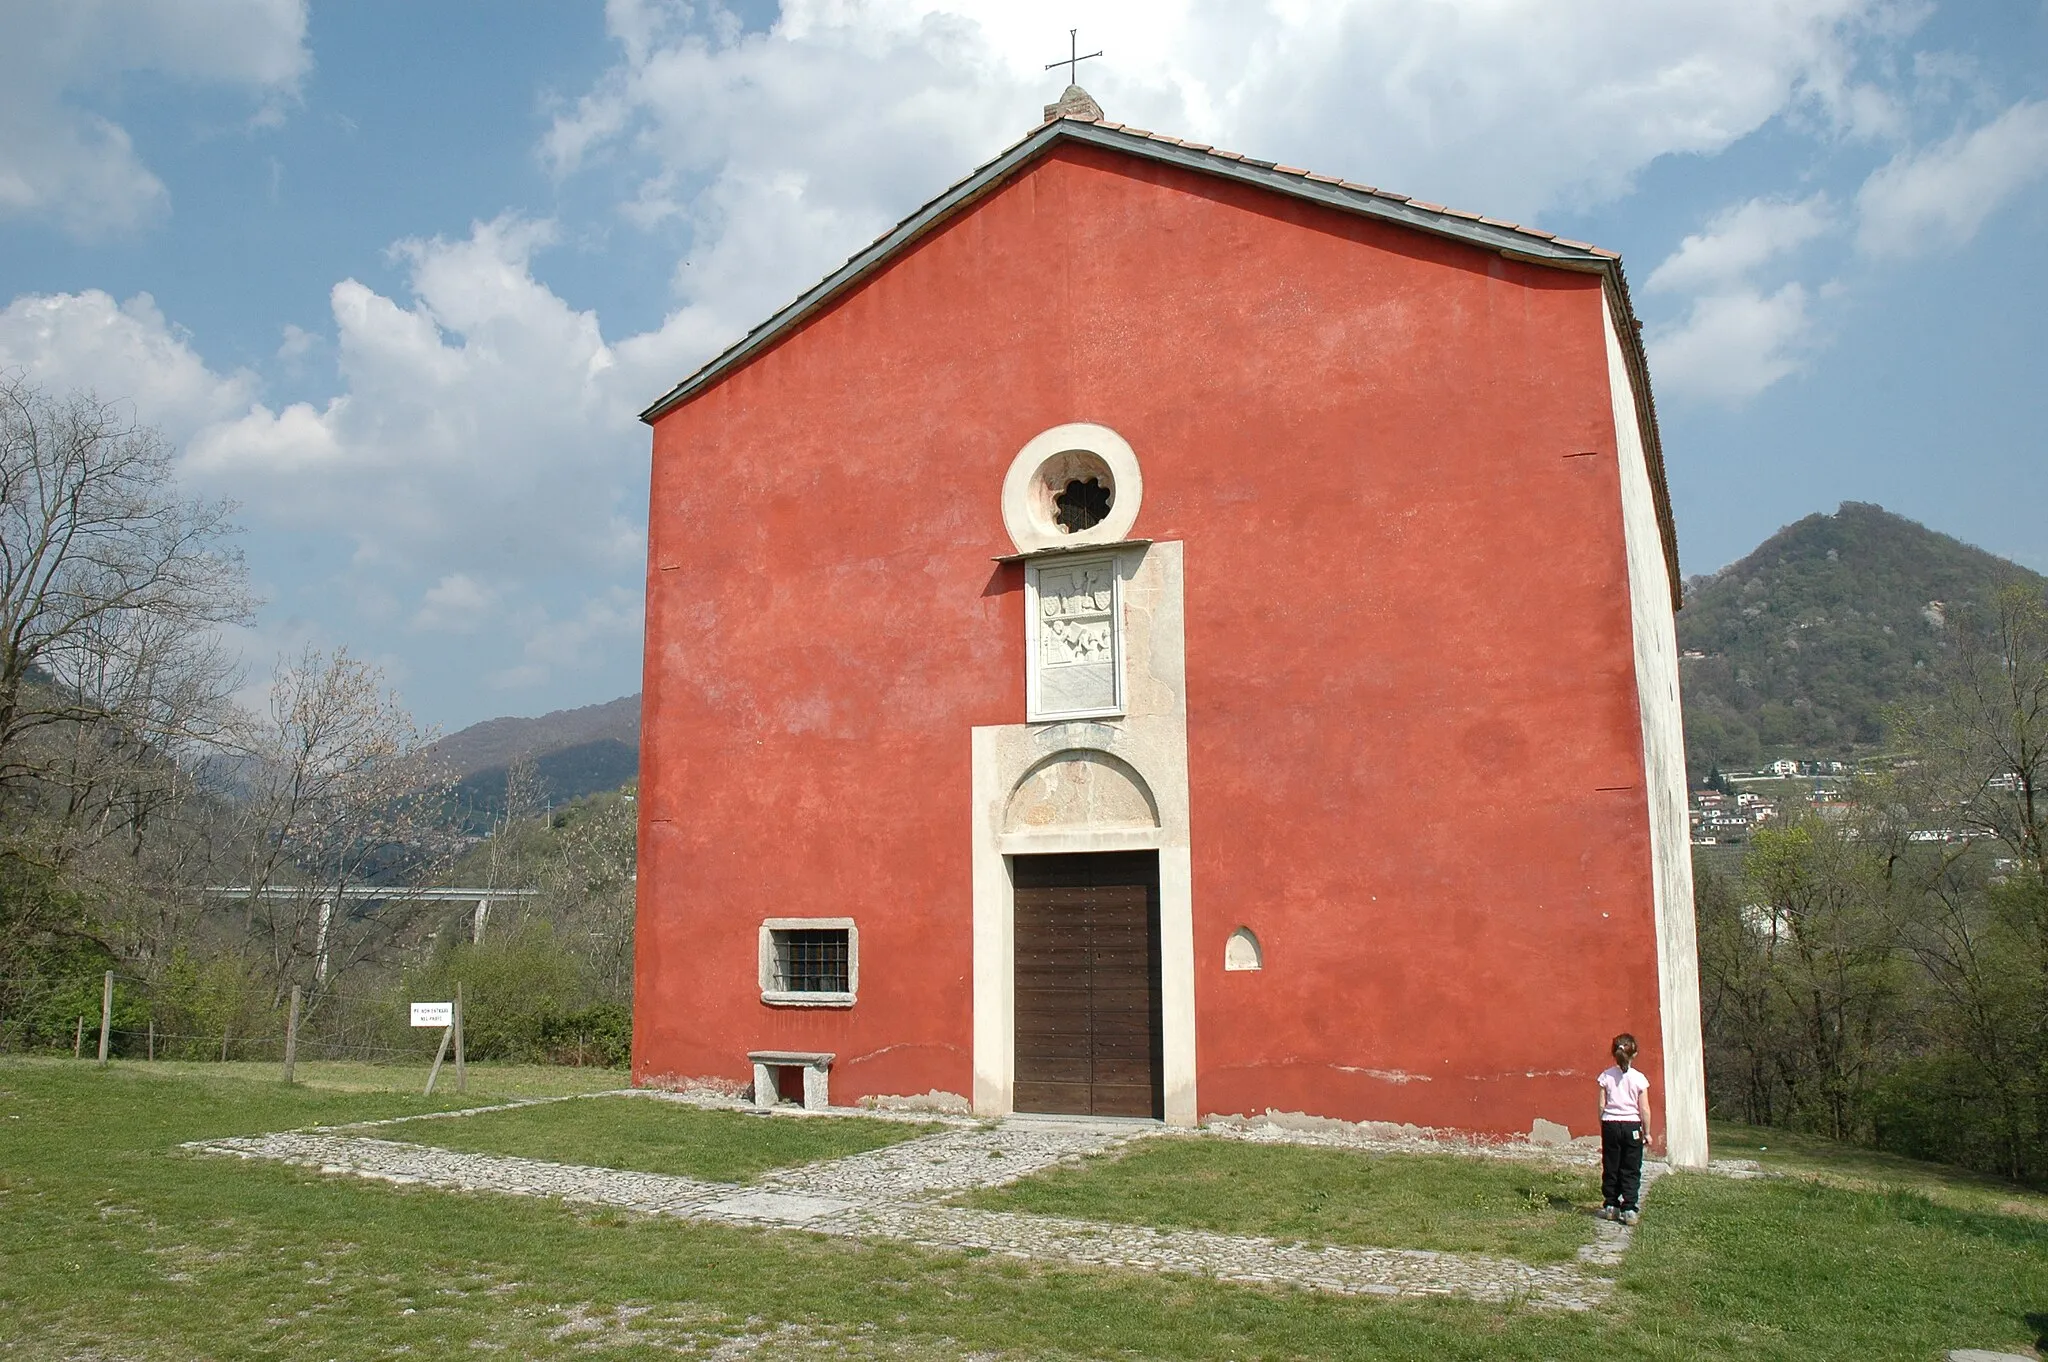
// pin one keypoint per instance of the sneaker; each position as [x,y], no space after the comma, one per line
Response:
[1607,1213]
[1629,1217]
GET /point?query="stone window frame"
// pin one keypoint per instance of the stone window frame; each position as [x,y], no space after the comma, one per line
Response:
[1027,518]
[779,997]
[1034,712]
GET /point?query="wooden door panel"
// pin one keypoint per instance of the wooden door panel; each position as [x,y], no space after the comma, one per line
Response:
[1088,1037]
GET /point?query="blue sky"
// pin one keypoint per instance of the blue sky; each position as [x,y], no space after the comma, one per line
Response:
[397,276]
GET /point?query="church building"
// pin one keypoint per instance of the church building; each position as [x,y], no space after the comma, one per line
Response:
[1165,634]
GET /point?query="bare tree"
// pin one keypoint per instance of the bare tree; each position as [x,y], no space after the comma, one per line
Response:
[1981,750]
[1983,743]
[112,589]
[341,794]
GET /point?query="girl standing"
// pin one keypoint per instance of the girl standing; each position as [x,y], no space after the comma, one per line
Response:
[1624,1132]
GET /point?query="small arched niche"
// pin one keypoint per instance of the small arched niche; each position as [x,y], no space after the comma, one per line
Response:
[1242,951]
[1081,790]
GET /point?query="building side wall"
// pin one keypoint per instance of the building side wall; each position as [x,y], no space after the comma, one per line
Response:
[1684,1129]
[1416,761]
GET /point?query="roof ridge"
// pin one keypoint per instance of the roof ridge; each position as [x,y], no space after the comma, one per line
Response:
[1209,149]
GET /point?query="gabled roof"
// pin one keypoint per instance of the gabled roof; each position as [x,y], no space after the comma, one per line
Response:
[1527,244]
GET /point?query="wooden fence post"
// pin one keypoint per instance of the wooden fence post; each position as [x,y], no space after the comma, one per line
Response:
[439,1055]
[151,1052]
[461,1060]
[78,1041]
[106,1016]
[291,1036]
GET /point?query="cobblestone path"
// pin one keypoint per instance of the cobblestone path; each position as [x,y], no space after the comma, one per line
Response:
[897,1192]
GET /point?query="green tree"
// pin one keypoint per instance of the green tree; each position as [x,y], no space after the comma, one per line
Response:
[1820,905]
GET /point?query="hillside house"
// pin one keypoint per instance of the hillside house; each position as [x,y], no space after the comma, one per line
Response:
[1068,622]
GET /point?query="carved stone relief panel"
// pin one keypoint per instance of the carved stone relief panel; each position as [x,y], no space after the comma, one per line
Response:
[1076,641]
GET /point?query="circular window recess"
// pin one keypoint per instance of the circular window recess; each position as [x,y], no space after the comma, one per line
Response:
[1073,485]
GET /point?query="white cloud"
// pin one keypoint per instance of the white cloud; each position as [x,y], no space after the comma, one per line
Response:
[1733,345]
[458,603]
[483,422]
[1737,337]
[601,623]
[482,448]
[123,352]
[1939,196]
[779,152]
[61,160]
[1740,240]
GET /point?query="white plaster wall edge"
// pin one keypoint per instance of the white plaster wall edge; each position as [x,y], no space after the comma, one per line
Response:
[994,1042]
[1655,635]
[1177,984]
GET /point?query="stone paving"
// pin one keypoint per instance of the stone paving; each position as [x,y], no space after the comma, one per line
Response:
[898,1193]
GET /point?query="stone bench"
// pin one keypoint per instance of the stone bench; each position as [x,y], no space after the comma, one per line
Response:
[817,1069]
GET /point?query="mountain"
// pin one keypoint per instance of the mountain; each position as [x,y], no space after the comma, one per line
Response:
[1798,649]
[575,752]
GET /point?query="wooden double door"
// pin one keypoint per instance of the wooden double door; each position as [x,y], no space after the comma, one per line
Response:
[1089,1039]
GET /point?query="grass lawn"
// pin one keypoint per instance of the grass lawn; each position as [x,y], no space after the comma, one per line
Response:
[1537,1213]
[1867,1170]
[488,1082]
[114,1243]
[652,1136]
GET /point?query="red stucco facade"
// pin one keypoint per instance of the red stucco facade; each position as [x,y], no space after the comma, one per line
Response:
[1415,762]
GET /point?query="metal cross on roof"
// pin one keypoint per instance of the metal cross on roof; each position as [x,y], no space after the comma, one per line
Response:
[1075,56]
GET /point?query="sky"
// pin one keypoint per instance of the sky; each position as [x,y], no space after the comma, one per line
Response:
[396,276]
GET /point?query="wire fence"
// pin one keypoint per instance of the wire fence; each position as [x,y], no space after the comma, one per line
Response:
[55,1015]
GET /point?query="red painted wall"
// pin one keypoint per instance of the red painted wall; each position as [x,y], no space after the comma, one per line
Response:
[1415,760]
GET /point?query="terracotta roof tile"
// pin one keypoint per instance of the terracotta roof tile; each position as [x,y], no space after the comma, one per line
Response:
[1355,187]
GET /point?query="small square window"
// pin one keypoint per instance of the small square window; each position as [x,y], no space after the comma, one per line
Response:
[809,962]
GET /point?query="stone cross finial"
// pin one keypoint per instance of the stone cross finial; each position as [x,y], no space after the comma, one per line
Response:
[1075,56]
[1075,103]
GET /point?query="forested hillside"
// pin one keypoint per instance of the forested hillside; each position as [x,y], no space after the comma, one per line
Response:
[575,752]
[1799,649]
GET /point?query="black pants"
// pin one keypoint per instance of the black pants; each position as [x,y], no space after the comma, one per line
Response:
[1621,1163]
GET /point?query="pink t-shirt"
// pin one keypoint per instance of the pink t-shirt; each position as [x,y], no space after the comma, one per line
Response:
[1621,1094]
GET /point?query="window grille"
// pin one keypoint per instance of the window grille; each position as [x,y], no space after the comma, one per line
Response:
[812,960]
